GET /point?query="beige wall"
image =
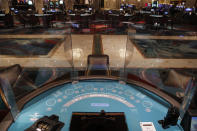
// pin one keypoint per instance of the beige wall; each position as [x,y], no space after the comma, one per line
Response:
[110,4]
[69,4]
[4,5]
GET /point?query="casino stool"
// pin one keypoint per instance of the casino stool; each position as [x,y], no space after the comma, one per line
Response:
[9,20]
[46,21]
[21,19]
[176,81]
[34,20]
[98,65]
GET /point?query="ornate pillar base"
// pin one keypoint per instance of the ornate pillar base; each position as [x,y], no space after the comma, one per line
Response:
[39,6]
[4,6]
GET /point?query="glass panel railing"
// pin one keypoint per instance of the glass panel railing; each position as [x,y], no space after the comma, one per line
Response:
[137,47]
[151,65]
[43,58]
[129,50]
[9,97]
[89,58]
[161,56]
[188,96]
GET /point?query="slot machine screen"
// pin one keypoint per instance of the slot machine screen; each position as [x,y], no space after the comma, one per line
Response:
[181,7]
[51,3]
[155,4]
[160,5]
[130,6]
[52,10]
[166,13]
[16,11]
[75,25]
[56,3]
[194,124]
[188,9]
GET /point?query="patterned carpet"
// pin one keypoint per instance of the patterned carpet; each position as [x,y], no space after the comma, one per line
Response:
[173,49]
[27,47]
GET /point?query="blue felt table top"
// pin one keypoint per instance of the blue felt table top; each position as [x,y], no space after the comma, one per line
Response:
[91,96]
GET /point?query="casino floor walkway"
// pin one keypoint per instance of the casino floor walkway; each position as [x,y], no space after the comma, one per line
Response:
[113,45]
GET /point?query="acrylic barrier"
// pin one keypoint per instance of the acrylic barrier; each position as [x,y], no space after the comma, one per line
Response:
[123,58]
[164,59]
[43,61]
[108,57]
[9,97]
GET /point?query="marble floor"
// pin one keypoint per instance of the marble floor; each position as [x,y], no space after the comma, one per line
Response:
[81,45]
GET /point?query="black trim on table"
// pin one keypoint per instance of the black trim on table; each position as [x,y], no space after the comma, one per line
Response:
[8,120]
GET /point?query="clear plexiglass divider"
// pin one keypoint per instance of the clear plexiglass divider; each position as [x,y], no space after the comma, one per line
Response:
[8,97]
[135,56]
[165,60]
[21,82]
[104,56]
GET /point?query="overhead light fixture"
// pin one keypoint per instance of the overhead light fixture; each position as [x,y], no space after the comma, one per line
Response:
[30,2]
[61,2]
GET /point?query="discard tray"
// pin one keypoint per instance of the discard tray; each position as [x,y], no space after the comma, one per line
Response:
[98,121]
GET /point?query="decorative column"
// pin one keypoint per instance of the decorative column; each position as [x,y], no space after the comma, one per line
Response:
[190,3]
[164,1]
[87,2]
[110,4]
[118,3]
[69,4]
[82,1]
[39,6]
[4,5]
[96,4]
